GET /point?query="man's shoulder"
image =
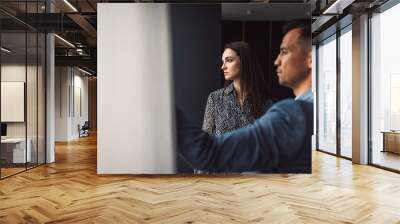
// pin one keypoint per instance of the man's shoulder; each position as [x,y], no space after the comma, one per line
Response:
[292,103]
[285,103]
[291,106]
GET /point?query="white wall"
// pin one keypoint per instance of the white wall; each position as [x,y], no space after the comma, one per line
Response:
[61,103]
[67,116]
[134,102]
[79,117]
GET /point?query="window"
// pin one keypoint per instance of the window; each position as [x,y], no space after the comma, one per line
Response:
[385,88]
[346,92]
[327,95]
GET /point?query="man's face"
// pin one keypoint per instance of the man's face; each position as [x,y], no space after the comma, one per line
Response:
[294,60]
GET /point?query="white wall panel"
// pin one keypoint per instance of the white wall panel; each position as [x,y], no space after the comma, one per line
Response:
[134,89]
[12,101]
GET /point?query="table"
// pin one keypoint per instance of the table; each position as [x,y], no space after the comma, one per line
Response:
[13,150]
[391,141]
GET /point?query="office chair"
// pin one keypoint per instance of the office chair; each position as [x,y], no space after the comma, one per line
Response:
[84,130]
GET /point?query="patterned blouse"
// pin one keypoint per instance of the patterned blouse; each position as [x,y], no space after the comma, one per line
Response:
[224,114]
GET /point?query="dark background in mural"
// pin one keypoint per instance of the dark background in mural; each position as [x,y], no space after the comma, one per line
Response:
[198,38]
[196,31]
[265,39]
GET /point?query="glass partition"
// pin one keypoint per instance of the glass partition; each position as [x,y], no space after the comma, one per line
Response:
[13,111]
[22,88]
[346,72]
[31,100]
[41,87]
[327,95]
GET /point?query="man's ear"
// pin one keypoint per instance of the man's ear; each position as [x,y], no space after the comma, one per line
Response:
[309,60]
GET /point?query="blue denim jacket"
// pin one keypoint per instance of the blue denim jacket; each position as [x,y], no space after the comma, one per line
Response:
[277,142]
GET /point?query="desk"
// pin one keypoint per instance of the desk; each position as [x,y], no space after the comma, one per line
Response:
[13,150]
[391,141]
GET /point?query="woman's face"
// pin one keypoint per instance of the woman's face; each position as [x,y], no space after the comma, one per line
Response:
[230,64]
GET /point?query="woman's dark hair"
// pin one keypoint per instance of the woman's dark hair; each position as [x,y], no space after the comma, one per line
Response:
[253,83]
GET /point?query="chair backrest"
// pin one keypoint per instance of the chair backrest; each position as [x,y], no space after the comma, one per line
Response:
[86,125]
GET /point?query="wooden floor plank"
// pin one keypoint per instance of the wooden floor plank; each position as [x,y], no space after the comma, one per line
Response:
[70,191]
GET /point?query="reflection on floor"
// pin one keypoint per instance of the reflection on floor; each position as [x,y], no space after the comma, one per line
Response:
[386,159]
[10,171]
[12,168]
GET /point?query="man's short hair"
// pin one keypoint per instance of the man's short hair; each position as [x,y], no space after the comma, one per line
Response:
[305,31]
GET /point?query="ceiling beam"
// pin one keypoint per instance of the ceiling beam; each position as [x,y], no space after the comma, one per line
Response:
[85,61]
[84,24]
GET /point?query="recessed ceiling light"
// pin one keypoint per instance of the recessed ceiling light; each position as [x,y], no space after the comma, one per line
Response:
[70,5]
[64,40]
[338,6]
[84,71]
[5,50]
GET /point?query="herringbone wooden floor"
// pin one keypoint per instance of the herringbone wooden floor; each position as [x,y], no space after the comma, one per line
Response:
[69,191]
